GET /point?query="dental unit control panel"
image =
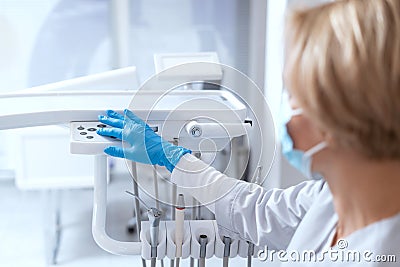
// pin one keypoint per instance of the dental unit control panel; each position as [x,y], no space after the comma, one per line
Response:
[189,117]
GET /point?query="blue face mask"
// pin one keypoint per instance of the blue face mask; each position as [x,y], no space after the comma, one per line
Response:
[301,160]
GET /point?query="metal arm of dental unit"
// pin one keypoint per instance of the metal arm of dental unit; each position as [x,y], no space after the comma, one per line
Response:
[177,115]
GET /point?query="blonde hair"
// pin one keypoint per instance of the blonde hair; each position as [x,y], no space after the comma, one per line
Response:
[343,66]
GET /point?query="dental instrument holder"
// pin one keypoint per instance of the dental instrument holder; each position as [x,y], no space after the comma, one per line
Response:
[147,250]
[154,216]
[198,228]
[186,241]
[221,247]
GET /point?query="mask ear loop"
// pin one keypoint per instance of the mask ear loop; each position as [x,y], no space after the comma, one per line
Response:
[296,112]
[315,149]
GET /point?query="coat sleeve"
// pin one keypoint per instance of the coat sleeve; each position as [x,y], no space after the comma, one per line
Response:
[243,210]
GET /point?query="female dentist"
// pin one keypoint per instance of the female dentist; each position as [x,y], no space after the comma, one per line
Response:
[343,123]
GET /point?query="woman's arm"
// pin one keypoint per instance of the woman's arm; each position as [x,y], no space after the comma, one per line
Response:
[243,210]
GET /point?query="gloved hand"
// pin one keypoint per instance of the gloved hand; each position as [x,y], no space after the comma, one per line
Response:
[145,145]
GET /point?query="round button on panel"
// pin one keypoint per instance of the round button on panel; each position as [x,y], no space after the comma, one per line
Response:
[195,131]
[83,133]
[89,137]
[101,125]
[80,128]
[92,129]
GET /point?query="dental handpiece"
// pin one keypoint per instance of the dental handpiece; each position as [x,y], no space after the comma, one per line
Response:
[179,227]
[227,249]
[154,215]
[203,245]
[154,219]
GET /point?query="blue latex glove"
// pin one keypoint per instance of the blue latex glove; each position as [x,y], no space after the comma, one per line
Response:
[145,145]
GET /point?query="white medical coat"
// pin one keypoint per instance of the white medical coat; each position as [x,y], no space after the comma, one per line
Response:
[294,220]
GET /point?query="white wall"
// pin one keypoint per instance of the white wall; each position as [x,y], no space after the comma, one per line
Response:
[282,174]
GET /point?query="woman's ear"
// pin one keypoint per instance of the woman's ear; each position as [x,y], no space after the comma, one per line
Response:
[328,137]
